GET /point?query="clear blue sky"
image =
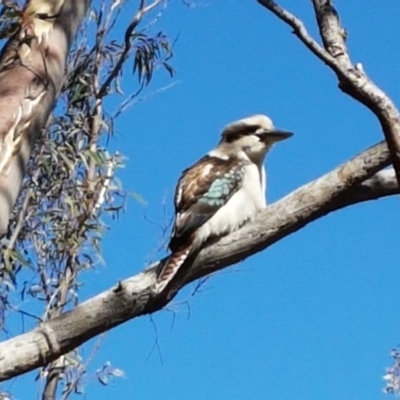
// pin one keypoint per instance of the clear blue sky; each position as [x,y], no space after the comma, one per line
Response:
[313,317]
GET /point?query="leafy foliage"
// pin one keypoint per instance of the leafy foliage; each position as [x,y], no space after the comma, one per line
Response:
[392,376]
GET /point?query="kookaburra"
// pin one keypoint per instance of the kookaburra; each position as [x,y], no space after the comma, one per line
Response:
[221,192]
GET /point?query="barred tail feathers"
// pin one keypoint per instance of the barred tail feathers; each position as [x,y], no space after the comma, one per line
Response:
[170,267]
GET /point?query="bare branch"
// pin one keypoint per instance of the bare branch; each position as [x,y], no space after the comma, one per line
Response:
[382,184]
[352,78]
[332,34]
[135,296]
[300,31]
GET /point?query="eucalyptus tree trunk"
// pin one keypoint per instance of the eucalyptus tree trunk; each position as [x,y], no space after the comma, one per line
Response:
[32,67]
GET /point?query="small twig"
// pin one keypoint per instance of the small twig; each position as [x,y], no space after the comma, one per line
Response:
[197,289]
[22,217]
[25,313]
[111,163]
[96,115]
[56,368]
[133,99]
[156,345]
[73,385]
[50,303]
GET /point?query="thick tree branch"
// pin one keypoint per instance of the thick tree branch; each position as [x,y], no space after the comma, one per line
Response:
[332,34]
[352,78]
[382,184]
[135,296]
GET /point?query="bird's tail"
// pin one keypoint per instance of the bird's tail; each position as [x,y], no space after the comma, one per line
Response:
[170,267]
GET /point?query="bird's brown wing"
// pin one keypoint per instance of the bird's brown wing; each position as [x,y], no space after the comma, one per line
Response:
[201,191]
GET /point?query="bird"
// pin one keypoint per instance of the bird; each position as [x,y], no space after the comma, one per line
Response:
[221,192]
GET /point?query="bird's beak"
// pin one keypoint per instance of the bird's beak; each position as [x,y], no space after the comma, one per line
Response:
[275,135]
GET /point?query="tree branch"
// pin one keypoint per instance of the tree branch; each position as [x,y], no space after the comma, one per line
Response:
[382,184]
[352,78]
[300,31]
[135,296]
[129,33]
[332,34]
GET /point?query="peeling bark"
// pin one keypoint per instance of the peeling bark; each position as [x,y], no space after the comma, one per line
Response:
[31,75]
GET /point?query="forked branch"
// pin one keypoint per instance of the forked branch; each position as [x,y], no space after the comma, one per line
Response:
[352,78]
[129,32]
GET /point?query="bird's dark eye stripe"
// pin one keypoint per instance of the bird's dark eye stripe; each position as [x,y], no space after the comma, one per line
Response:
[239,131]
[247,130]
[234,136]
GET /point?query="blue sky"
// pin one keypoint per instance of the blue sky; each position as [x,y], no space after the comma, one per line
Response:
[314,316]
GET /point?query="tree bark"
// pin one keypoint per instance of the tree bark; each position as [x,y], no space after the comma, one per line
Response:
[31,75]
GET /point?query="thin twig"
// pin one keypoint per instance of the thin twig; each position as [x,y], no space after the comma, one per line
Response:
[133,98]
[74,384]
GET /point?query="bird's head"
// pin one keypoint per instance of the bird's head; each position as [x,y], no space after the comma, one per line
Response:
[254,136]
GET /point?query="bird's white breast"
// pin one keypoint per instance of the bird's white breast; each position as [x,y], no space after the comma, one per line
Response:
[239,209]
